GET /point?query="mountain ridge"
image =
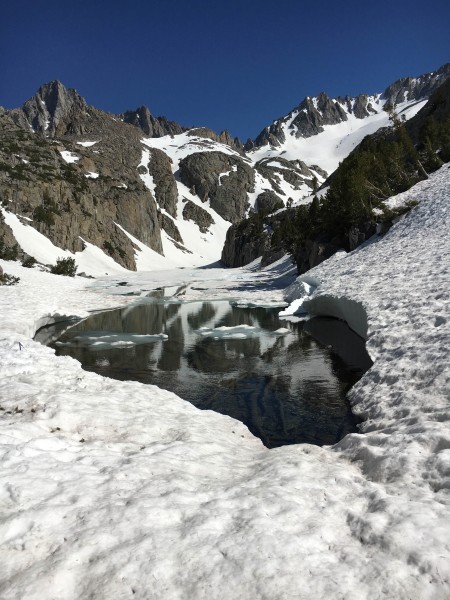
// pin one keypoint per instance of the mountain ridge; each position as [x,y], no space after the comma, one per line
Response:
[323,110]
[138,186]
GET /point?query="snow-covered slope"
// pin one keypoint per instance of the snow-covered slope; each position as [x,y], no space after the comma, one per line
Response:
[114,489]
[323,131]
[329,147]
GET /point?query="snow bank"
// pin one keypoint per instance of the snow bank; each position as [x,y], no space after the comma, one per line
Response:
[92,260]
[69,157]
[395,293]
[343,308]
[114,489]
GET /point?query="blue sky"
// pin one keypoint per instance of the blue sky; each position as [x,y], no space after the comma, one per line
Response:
[235,64]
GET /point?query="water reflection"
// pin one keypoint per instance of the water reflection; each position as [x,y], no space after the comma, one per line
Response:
[284,385]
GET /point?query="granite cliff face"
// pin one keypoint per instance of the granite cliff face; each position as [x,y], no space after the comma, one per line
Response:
[82,199]
[244,243]
[222,179]
[166,191]
[150,125]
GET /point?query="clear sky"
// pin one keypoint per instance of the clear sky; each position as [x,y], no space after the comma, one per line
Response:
[226,64]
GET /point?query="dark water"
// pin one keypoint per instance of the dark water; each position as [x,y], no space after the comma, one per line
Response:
[286,388]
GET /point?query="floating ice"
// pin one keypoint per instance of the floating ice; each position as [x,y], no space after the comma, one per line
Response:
[282,331]
[238,332]
[101,340]
[267,304]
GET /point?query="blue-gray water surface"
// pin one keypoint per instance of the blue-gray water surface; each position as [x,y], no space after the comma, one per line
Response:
[286,386]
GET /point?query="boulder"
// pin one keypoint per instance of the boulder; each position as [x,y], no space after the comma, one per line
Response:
[268,202]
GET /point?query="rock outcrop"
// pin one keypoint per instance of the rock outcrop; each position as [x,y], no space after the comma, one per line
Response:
[170,227]
[166,191]
[201,217]
[223,137]
[295,172]
[223,179]
[70,192]
[268,202]
[244,243]
[150,125]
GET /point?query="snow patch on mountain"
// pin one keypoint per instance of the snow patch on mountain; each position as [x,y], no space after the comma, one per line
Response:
[179,146]
[69,157]
[328,148]
[92,260]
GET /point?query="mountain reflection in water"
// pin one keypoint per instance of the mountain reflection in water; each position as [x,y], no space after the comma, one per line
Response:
[284,385]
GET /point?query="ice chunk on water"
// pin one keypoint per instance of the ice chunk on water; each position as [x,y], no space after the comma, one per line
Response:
[282,331]
[102,340]
[238,332]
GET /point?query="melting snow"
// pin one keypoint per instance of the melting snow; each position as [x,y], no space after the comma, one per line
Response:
[328,148]
[87,144]
[116,489]
[69,157]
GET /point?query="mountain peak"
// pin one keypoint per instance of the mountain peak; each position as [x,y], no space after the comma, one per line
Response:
[416,88]
[150,125]
[51,105]
[309,118]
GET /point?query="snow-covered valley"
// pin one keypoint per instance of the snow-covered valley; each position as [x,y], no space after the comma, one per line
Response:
[114,489]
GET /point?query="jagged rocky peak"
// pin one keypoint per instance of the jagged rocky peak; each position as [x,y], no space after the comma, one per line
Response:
[150,125]
[52,105]
[313,113]
[416,88]
[306,120]
[223,137]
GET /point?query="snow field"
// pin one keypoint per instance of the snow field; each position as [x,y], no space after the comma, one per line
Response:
[402,281]
[114,489]
[328,148]
[110,487]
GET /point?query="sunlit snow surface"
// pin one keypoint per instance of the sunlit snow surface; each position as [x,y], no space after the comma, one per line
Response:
[328,148]
[114,489]
[69,157]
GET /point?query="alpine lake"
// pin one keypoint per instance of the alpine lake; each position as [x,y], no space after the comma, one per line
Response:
[286,380]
